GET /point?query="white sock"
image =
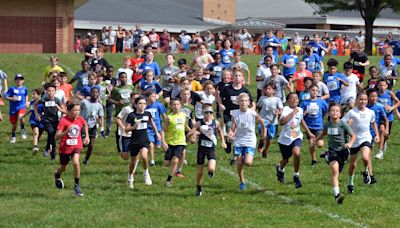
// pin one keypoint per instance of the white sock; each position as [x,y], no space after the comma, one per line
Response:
[146,172]
[280,169]
[178,170]
[130,177]
[102,129]
[297,174]
[335,191]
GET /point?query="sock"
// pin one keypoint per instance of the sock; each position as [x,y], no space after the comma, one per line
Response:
[57,175]
[199,187]
[130,176]
[178,170]
[22,126]
[146,172]
[335,191]
[102,129]
[169,178]
[210,174]
[296,174]
[12,134]
[280,169]
[351,180]
[76,181]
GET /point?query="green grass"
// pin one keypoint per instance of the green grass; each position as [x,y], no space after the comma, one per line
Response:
[28,196]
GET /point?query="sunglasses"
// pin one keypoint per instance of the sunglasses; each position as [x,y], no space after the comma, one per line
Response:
[208,112]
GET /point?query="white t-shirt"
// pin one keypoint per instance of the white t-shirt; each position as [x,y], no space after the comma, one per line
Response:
[128,72]
[123,115]
[323,89]
[361,124]
[263,71]
[291,130]
[350,91]
[111,39]
[198,108]
[245,128]
[185,39]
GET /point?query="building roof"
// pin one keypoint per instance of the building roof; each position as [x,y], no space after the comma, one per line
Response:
[165,14]
[300,12]
[255,25]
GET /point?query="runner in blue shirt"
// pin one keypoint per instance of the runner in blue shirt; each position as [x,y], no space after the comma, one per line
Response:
[215,69]
[84,92]
[318,46]
[313,61]
[227,53]
[149,85]
[314,110]
[158,112]
[36,125]
[149,64]
[271,40]
[289,62]
[18,97]
[334,81]
[380,118]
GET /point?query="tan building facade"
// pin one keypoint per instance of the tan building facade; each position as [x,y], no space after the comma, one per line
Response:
[37,26]
[219,10]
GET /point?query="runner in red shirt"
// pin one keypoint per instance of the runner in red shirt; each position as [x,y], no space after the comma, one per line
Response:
[135,63]
[69,133]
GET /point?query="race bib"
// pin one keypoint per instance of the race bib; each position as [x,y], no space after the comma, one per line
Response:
[32,107]
[85,81]
[16,91]
[315,49]
[384,101]
[206,143]
[332,131]
[142,126]
[19,98]
[108,82]
[290,62]
[234,100]
[72,142]
[145,118]
[179,121]
[227,59]
[125,95]
[332,85]
[217,68]
[313,109]
[311,65]
[49,103]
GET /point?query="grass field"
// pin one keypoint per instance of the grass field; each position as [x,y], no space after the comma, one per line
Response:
[28,197]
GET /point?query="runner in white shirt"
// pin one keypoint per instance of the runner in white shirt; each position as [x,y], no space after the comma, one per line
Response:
[291,137]
[358,119]
[263,72]
[243,134]
[348,93]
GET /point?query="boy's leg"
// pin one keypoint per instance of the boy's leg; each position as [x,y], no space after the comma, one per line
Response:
[239,165]
[35,139]
[296,164]
[152,153]
[77,173]
[248,159]
[352,167]
[199,175]
[180,165]
[311,147]
[366,158]
[89,150]
[334,165]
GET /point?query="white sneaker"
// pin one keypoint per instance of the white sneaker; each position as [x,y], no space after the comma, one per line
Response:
[152,163]
[23,134]
[379,155]
[130,185]
[131,178]
[35,150]
[147,180]
[185,162]
[46,153]
[13,140]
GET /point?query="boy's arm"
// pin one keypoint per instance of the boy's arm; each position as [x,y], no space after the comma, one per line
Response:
[305,127]
[221,134]
[163,141]
[261,122]
[153,125]
[352,140]
[321,135]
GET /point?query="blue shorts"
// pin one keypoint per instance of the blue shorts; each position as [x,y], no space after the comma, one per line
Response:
[316,132]
[272,129]
[287,150]
[153,138]
[242,151]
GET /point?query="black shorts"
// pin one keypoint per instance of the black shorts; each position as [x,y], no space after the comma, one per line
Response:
[65,158]
[339,156]
[174,151]
[37,125]
[204,152]
[356,149]
[124,143]
[93,132]
[166,94]
[286,150]
[135,148]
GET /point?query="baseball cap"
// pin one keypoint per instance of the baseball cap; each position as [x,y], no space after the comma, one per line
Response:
[19,76]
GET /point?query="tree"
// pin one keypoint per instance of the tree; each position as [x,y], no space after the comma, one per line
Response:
[369,10]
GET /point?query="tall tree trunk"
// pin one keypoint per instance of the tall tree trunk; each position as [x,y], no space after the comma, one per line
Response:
[369,26]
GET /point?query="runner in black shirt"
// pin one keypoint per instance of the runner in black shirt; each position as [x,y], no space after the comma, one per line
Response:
[360,61]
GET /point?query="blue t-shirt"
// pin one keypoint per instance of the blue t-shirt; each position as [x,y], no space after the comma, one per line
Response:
[274,40]
[317,48]
[314,111]
[152,66]
[157,110]
[83,79]
[398,97]
[380,114]
[32,118]
[85,91]
[151,86]
[395,61]
[227,56]
[386,99]
[304,95]
[217,69]
[312,62]
[20,93]
[291,60]
[334,85]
